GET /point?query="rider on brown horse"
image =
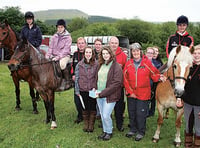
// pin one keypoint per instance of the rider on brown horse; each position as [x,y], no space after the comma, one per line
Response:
[60,48]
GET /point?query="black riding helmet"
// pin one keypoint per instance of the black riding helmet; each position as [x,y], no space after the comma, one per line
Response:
[182,20]
[29,15]
[61,22]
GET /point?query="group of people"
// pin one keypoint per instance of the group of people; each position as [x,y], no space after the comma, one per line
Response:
[103,75]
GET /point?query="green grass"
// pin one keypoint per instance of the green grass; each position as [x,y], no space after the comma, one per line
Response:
[22,129]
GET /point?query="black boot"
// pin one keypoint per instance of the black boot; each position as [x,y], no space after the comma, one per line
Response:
[67,79]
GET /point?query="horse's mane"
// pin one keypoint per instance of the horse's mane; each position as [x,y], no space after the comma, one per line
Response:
[183,55]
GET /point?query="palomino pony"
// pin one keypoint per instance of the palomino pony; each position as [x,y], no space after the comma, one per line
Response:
[8,40]
[46,79]
[179,62]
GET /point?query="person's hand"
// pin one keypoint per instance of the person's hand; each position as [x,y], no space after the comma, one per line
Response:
[179,102]
[54,59]
[162,78]
[73,77]
[132,95]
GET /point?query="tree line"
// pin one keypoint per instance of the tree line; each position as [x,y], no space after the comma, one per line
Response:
[146,33]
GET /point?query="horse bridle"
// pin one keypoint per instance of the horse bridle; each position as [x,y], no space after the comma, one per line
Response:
[172,81]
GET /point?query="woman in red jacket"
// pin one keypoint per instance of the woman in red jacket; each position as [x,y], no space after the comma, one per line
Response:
[137,74]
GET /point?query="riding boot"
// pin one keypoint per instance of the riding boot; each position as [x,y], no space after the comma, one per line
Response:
[92,118]
[196,141]
[67,78]
[188,140]
[86,120]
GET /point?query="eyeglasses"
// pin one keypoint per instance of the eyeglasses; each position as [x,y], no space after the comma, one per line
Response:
[150,52]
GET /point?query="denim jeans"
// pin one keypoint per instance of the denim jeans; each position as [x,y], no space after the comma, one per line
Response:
[105,111]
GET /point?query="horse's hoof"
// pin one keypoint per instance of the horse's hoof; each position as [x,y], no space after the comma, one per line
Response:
[52,128]
[35,112]
[53,125]
[154,140]
[177,144]
[17,108]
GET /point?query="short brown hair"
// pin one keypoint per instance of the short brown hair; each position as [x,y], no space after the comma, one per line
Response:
[112,55]
[98,39]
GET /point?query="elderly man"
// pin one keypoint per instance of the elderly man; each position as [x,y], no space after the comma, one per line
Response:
[121,59]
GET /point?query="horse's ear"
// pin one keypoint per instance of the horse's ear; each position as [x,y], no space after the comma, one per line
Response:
[178,49]
[192,49]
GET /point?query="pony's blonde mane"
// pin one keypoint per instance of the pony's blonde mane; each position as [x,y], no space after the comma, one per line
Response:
[183,55]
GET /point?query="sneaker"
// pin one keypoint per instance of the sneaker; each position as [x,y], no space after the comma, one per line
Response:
[138,137]
[102,135]
[130,134]
[107,137]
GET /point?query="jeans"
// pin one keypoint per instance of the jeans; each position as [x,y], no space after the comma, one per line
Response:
[106,111]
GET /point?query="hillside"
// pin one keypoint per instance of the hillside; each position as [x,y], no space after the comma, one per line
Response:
[55,14]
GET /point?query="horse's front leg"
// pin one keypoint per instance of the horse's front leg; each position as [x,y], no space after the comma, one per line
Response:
[46,104]
[51,96]
[177,140]
[156,136]
[17,92]
[32,94]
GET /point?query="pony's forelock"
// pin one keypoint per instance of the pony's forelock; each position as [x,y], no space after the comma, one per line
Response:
[183,55]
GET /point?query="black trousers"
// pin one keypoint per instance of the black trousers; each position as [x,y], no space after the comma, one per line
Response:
[78,106]
[90,103]
[119,110]
[137,111]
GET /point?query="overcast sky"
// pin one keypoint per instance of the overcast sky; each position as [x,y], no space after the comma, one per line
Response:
[147,10]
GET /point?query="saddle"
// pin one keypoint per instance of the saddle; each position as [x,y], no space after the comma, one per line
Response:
[63,77]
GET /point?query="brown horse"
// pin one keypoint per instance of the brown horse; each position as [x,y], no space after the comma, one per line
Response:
[8,40]
[179,62]
[45,78]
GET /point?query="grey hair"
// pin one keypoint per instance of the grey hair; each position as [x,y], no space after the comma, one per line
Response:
[135,46]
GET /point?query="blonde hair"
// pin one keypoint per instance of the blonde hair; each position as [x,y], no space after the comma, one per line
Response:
[81,38]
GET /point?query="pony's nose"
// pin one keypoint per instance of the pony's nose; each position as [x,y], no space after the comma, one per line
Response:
[179,92]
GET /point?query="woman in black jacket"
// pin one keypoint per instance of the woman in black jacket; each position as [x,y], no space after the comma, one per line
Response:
[191,99]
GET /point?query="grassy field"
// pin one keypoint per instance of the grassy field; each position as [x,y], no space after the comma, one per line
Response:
[22,129]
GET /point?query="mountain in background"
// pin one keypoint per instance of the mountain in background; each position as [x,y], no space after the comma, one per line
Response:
[52,15]
[56,14]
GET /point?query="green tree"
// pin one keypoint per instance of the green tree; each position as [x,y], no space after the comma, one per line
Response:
[46,29]
[77,23]
[14,16]
[136,30]
[96,29]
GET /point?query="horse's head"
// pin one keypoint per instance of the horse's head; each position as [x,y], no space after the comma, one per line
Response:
[20,57]
[4,32]
[179,63]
